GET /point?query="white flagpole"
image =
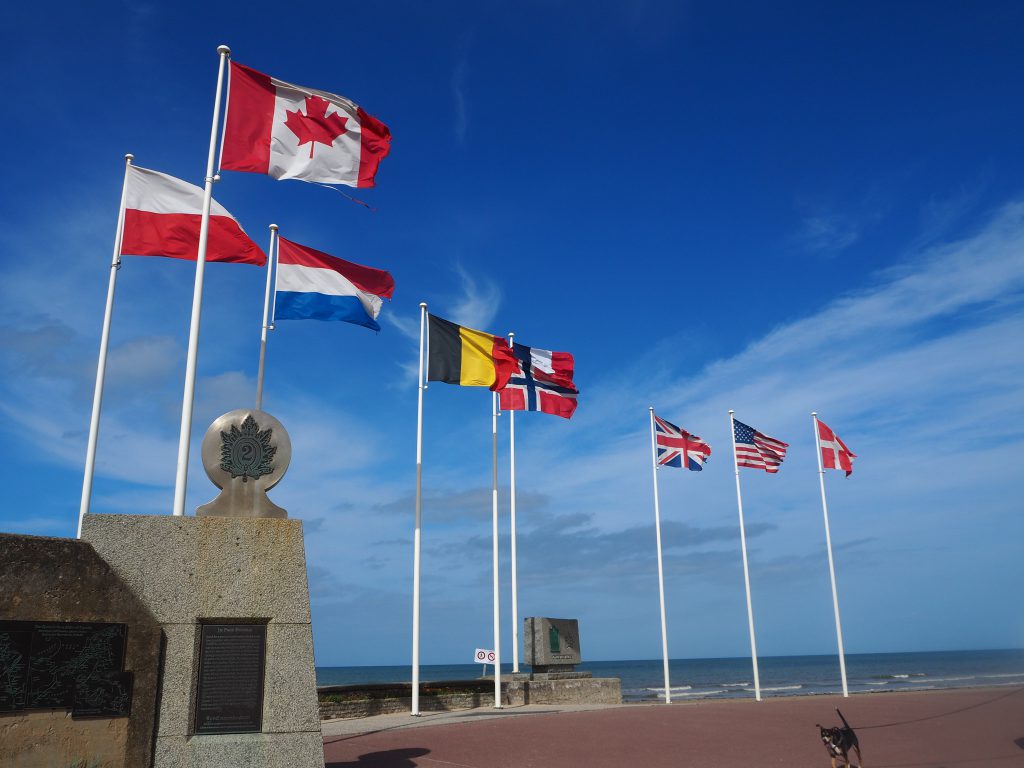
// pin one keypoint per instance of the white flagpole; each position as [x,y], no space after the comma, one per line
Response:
[746,569]
[101,363]
[831,566]
[266,318]
[422,385]
[494,550]
[181,479]
[661,576]
[512,504]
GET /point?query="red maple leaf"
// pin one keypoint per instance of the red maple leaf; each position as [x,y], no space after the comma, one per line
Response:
[315,126]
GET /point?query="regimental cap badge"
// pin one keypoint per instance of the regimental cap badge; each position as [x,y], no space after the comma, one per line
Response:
[247,452]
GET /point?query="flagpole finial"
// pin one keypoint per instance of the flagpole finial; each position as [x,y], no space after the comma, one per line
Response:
[814,413]
[650,408]
[223,50]
[129,157]
[511,334]
[423,305]
[731,411]
[273,227]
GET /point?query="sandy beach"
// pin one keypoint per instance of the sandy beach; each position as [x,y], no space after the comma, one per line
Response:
[971,728]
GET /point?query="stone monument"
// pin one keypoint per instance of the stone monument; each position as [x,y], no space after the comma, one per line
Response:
[553,651]
[228,589]
[79,656]
[553,647]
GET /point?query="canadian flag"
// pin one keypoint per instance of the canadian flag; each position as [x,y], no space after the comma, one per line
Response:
[162,217]
[291,132]
[834,453]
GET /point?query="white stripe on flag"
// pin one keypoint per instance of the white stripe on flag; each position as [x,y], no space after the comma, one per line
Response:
[157,192]
[302,279]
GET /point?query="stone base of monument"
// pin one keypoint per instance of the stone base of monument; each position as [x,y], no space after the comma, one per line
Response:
[553,651]
[237,684]
[583,689]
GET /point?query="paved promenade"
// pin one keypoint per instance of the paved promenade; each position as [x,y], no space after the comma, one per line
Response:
[977,728]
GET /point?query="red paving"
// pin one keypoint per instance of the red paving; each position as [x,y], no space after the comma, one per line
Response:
[945,729]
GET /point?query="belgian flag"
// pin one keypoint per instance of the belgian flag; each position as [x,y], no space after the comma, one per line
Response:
[459,355]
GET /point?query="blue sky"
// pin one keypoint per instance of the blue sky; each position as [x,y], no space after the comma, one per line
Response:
[774,209]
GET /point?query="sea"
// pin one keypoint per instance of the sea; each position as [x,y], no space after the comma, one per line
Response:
[730,678]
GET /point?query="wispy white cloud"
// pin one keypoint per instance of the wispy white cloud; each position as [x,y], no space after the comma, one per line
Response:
[479,301]
[829,233]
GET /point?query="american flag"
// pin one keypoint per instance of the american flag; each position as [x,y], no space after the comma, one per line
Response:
[756,450]
[676,445]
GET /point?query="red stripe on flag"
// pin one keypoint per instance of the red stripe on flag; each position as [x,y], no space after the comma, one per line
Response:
[249,121]
[505,362]
[176,235]
[376,281]
[374,146]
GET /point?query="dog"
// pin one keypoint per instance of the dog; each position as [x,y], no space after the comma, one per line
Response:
[839,741]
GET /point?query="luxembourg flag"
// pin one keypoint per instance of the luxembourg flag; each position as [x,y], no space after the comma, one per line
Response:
[292,132]
[316,286]
[162,217]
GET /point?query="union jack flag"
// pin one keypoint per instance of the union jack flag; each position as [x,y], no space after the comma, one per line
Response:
[676,445]
[542,382]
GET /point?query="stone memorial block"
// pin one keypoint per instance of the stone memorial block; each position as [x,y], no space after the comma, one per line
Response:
[226,591]
[79,659]
[552,645]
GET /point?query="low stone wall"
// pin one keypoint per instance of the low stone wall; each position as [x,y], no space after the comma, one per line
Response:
[353,701]
[592,690]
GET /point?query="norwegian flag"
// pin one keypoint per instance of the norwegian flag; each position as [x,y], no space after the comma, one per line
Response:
[542,382]
[834,453]
[676,445]
[757,450]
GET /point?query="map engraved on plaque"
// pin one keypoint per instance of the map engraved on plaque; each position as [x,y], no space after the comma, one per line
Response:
[15,647]
[64,665]
[229,696]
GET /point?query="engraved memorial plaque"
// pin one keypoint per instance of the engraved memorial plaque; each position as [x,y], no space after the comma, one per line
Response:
[64,665]
[15,651]
[229,694]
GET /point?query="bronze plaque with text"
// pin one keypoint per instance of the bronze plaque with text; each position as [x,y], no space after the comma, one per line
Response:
[229,692]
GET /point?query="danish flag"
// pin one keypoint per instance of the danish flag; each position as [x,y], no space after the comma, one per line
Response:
[676,445]
[834,453]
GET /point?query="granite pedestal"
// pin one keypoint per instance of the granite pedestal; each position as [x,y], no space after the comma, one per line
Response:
[196,571]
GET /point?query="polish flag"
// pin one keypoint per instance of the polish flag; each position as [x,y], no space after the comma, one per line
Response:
[834,453]
[162,217]
[291,132]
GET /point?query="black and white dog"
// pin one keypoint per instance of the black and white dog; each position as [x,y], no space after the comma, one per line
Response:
[839,741]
